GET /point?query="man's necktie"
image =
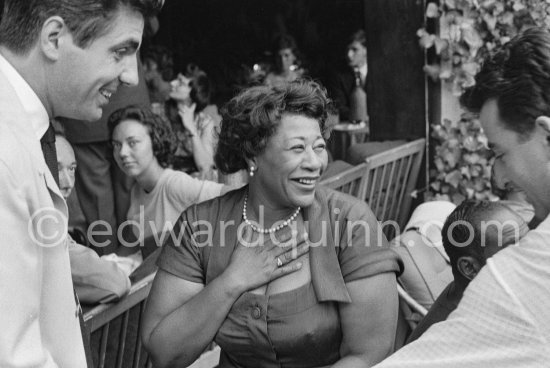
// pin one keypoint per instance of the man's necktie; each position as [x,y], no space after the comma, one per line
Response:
[359,79]
[50,155]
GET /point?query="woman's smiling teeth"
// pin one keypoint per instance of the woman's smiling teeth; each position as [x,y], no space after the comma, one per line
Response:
[306,181]
[106,94]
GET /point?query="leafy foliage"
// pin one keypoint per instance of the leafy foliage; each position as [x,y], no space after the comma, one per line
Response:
[469,30]
[462,161]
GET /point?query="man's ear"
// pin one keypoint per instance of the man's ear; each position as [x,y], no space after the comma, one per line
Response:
[468,266]
[543,125]
[53,29]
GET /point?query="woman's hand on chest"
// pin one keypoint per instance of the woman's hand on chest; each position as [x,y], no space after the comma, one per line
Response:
[261,259]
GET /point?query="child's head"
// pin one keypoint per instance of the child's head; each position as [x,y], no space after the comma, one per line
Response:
[475,231]
[140,138]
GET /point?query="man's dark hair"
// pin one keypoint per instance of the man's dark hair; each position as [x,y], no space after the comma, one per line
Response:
[163,59]
[518,78]
[201,87]
[359,36]
[87,20]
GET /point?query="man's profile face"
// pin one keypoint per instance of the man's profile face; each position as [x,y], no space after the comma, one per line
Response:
[525,160]
[85,78]
[357,54]
[509,189]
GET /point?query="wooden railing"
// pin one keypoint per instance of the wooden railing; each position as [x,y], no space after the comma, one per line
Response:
[124,349]
[350,181]
[385,181]
[390,181]
[114,331]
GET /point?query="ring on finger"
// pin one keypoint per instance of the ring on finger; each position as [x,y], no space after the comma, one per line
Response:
[279,262]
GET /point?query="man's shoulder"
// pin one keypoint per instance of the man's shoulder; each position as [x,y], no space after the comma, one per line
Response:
[531,254]
[12,152]
[522,270]
[12,115]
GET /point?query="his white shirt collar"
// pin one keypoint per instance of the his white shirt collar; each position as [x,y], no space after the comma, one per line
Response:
[38,116]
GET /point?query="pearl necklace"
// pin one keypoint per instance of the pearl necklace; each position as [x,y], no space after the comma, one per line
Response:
[272,229]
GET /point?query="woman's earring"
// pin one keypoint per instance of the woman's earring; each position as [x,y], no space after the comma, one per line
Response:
[251,172]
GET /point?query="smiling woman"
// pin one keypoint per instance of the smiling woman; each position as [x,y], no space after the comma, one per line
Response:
[321,278]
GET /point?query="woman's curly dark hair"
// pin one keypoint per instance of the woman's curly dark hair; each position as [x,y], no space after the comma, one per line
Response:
[160,131]
[201,88]
[252,117]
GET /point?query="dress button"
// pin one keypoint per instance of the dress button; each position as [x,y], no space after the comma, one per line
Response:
[256,312]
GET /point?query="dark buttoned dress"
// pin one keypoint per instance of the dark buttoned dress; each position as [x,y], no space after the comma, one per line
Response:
[295,329]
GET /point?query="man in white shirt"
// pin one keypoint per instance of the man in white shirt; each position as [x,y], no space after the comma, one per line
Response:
[503,319]
[357,55]
[57,58]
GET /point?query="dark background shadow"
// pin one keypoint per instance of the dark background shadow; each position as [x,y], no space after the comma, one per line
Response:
[226,38]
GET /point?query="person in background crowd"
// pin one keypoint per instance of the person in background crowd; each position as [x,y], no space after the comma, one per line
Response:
[473,232]
[95,280]
[503,319]
[143,147]
[194,120]
[341,85]
[102,189]
[57,58]
[279,302]
[287,61]
[158,66]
